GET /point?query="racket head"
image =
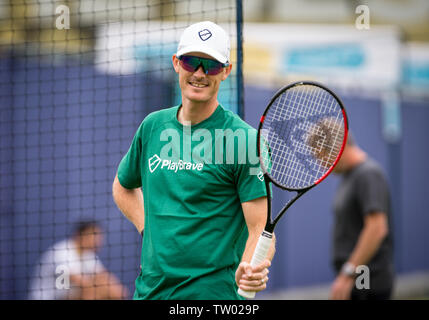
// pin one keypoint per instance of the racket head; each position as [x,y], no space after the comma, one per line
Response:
[301,135]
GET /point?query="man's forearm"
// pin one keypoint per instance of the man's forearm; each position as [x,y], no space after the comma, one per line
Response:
[251,245]
[99,286]
[369,241]
[252,240]
[365,248]
[130,202]
[108,286]
[255,214]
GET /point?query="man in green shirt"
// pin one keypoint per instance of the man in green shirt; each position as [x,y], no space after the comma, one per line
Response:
[189,180]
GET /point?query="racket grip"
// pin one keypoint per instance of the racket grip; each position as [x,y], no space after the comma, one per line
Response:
[261,251]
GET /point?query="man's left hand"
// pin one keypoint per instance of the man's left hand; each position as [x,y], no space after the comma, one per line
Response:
[250,278]
[342,287]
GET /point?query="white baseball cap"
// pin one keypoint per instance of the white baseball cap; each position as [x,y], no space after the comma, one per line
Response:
[206,37]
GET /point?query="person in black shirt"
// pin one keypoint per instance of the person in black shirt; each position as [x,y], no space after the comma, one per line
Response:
[362,233]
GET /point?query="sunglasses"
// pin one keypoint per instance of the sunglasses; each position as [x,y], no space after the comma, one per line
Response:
[210,67]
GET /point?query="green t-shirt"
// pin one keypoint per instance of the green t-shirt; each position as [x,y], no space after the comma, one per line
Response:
[194,179]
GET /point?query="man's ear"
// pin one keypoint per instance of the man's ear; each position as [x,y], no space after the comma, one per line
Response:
[226,72]
[175,63]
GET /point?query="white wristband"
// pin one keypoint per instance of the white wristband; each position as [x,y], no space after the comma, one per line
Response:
[349,269]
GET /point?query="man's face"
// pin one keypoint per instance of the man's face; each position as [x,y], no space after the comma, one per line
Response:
[197,86]
[341,166]
[91,239]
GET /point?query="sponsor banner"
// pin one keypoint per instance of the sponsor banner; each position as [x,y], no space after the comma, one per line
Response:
[415,68]
[334,54]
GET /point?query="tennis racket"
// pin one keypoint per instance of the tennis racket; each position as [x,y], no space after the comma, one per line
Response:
[301,137]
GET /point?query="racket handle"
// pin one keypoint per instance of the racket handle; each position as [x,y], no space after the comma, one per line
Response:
[261,251]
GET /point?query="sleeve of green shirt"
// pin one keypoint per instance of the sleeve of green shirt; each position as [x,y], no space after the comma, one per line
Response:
[248,177]
[129,170]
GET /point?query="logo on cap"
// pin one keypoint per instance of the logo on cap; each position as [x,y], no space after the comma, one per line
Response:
[205,34]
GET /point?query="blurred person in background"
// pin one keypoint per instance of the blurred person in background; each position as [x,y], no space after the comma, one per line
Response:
[70,269]
[362,233]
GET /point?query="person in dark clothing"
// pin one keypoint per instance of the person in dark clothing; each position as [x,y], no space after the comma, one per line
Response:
[362,233]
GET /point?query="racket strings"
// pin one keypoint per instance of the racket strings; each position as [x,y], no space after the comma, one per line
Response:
[302,135]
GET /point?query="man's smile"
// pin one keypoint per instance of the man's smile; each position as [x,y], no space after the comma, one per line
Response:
[198,84]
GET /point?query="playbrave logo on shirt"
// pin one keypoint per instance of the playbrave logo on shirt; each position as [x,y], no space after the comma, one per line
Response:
[170,165]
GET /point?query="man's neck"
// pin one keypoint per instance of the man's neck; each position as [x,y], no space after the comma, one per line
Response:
[192,113]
